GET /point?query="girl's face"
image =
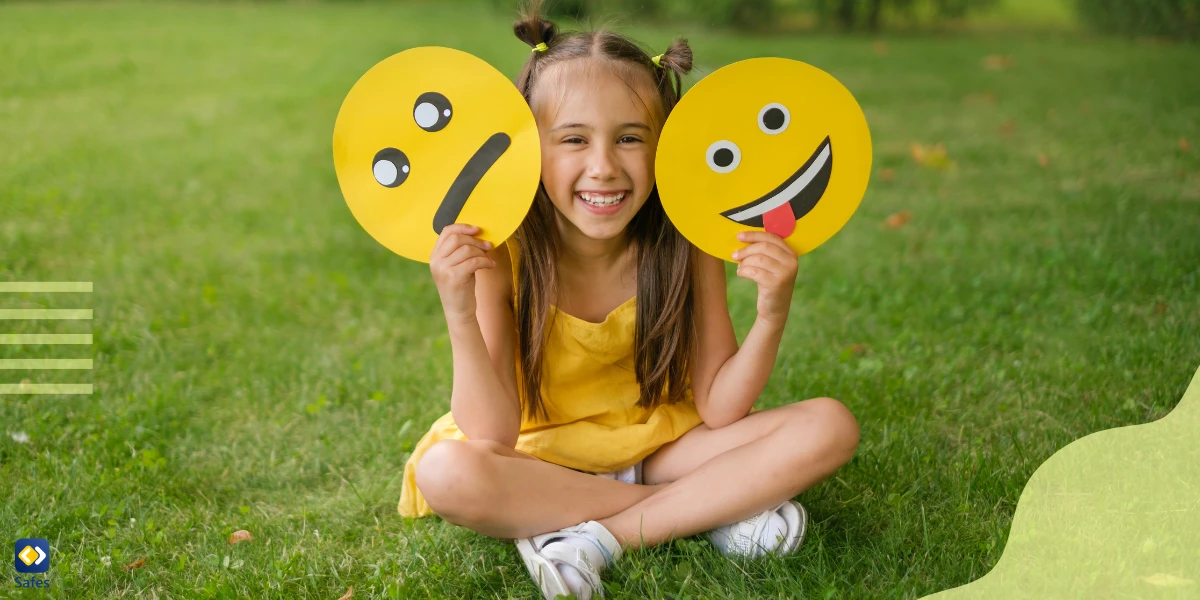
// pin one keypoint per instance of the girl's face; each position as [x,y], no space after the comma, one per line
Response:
[598,137]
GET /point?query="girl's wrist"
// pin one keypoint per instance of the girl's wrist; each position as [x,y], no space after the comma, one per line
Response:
[771,323]
[458,322]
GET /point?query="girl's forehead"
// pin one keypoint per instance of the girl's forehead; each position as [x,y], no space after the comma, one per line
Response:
[595,91]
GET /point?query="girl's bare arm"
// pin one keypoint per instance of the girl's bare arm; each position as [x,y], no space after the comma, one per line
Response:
[727,380]
[483,398]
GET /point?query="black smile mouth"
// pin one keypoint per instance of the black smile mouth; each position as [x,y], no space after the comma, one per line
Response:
[468,178]
[802,190]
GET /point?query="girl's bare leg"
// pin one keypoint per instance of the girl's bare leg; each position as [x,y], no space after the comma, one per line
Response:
[719,477]
[501,492]
[725,475]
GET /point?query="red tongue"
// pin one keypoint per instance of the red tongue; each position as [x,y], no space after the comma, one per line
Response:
[780,220]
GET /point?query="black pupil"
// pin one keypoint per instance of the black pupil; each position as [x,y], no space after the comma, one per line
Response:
[773,119]
[723,157]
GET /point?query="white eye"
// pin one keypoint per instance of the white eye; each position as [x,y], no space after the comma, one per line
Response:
[723,156]
[390,167]
[385,173]
[774,118]
[426,115]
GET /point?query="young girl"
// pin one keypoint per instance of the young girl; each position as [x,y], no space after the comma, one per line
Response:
[597,341]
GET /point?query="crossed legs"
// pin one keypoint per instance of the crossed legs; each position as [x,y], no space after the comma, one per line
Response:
[705,479]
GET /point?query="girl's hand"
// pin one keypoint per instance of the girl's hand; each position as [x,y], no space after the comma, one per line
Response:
[771,263]
[455,258]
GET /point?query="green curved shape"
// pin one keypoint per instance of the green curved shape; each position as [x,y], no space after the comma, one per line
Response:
[1115,514]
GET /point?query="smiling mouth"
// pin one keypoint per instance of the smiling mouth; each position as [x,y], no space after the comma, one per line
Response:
[793,198]
[468,178]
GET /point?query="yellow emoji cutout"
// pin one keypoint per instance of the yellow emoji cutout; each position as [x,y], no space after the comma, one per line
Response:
[433,136]
[767,143]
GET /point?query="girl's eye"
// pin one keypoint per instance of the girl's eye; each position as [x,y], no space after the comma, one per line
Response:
[723,156]
[774,118]
[629,139]
[574,140]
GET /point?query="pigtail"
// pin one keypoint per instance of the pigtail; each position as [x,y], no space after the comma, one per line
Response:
[532,28]
[677,61]
[539,33]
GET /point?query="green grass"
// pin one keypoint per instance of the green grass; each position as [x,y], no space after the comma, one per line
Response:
[263,364]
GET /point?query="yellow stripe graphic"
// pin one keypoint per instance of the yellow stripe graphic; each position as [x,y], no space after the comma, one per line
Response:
[81,314]
[45,388]
[45,286]
[46,363]
[46,338]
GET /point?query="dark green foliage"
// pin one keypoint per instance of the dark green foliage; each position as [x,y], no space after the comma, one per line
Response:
[738,14]
[1165,18]
[874,14]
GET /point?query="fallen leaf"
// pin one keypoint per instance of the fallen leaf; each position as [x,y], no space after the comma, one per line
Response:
[918,153]
[881,48]
[997,62]
[1183,144]
[1086,107]
[934,157]
[898,220]
[1165,580]
[887,174]
[240,535]
[1043,160]
[1008,127]
[349,594]
[1160,308]
[858,349]
[137,564]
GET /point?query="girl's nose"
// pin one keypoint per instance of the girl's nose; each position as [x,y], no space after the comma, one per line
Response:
[602,164]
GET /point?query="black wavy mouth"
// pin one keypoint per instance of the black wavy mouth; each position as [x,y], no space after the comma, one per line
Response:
[803,190]
[468,178]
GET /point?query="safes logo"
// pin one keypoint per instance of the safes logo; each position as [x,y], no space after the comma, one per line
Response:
[31,555]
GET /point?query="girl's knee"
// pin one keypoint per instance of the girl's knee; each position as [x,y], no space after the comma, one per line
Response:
[448,475]
[836,428]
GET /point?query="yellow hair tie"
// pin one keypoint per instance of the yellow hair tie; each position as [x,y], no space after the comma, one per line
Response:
[541,47]
[656,60]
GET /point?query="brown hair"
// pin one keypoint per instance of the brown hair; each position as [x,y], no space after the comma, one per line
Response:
[665,331]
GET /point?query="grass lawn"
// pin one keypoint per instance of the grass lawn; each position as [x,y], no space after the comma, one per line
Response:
[262,364]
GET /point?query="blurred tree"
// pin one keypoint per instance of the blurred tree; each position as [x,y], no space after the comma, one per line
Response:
[1178,19]
[870,14]
[741,14]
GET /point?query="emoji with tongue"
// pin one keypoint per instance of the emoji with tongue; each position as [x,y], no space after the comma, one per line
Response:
[763,144]
[433,136]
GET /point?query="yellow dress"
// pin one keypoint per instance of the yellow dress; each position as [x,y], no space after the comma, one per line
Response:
[590,392]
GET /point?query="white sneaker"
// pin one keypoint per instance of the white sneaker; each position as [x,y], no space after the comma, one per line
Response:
[780,530]
[569,561]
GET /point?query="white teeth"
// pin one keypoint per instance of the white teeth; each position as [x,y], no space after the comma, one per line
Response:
[601,199]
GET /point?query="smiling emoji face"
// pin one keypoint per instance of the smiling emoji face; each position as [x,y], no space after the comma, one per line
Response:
[433,136]
[767,143]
